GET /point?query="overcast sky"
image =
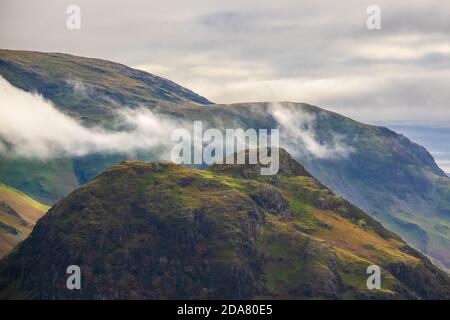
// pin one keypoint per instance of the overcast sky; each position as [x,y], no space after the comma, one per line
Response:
[313,51]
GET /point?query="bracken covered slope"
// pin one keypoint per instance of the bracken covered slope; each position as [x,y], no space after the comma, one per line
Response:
[159,230]
[18,214]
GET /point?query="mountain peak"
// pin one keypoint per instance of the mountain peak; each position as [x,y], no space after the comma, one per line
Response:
[287,165]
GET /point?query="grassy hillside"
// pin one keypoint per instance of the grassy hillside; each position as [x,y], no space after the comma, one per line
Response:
[18,214]
[159,230]
[89,86]
[45,180]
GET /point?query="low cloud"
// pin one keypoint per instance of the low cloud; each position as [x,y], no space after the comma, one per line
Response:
[298,132]
[31,126]
[79,88]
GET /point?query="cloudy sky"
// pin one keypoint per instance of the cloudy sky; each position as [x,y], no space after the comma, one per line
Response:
[313,51]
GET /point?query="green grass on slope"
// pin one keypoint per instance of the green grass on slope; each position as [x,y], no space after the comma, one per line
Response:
[44,180]
[22,195]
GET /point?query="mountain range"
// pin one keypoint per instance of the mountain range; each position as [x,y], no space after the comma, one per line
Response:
[393,179]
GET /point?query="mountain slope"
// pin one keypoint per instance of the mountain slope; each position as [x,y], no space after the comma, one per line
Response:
[159,230]
[89,87]
[44,180]
[90,90]
[18,214]
[384,173]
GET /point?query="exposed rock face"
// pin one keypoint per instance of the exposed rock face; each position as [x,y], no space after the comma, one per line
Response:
[288,167]
[162,231]
[270,199]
